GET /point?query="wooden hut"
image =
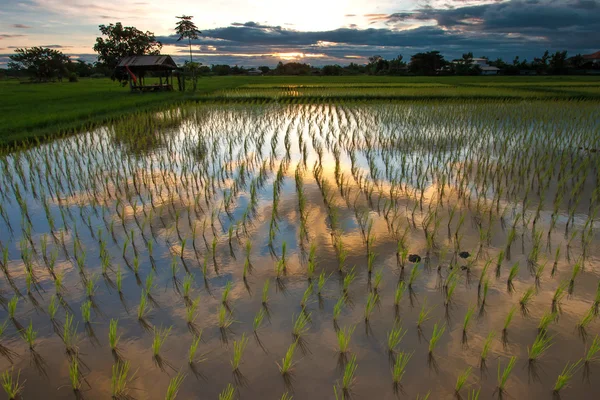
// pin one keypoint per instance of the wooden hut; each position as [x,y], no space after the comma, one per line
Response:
[138,68]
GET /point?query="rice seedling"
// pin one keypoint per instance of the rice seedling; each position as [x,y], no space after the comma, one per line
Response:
[377,280]
[462,380]
[414,274]
[52,307]
[238,351]
[228,393]
[287,362]
[265,292]
[468,319]
[120,381]
[590,354]
[174,386]
[143,306]
[436,335]
[349,378]
[474,394]
[69,335]
[584,322]
[503,377]
[12,307]
[559,294]
[424,314]
[187,285]
[321,284]
[575,272]
[12,386]
[394,337]
[258,320]
[399,293]
[563,379]
[86,311]
[194,348]
[343,337]
[29,335]
[399,367]
[113,336]
[546,320]
[160,336]
[541,343]
[306,296]
[526,299]
[74,375]
[512,274]
[348,279]
[487,344]
[301,327]
[225,318]
[370,305]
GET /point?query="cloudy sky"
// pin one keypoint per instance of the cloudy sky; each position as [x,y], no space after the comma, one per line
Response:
[253,32]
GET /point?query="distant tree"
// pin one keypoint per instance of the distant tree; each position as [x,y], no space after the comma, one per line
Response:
[221,69]
[264,69]
[540,64]
[396,66]
[122,42]
[577,61]
[427,63]
[82,69]
[41,63]
[558,62]
[332,70]
[186,29]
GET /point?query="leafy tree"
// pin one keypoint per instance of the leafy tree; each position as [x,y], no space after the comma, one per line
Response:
[558,62]
[43,64]
[427,63]
[123,41]
[264,69]
[186,29]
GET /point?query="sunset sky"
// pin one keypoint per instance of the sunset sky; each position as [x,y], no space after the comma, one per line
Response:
[317,32]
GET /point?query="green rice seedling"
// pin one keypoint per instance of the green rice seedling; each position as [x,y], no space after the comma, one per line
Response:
[450,290]
[160,336]
[258,319]
[575,272]
[190,311]
[436,336]
[399,368]
[509,318]
[546,320]
[587,318]
[52,307]
[225,318]
[306,296]
[69,335]
[322,281]
[29,335]
[283,254]
[349,378]
[301,327]
[562,381]
[474,394]
[143,306]
[512,274]
[119,280]
[194,347]
[503,377]
[425,397]
[86,311]
[348,279]
[337,307]
[467,320]
[187,285]
[596,305]
[228,393]
[559,294]
[226,291]
[120,381]
[343,337]
[74,375]
[370,305]
[286,396]
[287,362]
[414,274]
[113,337]
[590,354]
[12,306]
[539,272]
[238,351]
[377,280]
[394,337]
[486,288]
[424,314]
[526,299]
[399,293]
[541,343]
[12,386]
[462,380]
[265,292]
[487,344]
[174,386]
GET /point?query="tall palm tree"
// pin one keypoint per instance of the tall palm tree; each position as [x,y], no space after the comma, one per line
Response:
[186,29]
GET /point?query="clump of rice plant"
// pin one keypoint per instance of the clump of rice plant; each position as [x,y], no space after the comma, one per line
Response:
[399,367]
[512,274]
[348,279]
[258,320]
[143,306]
[265,292]
[160,337]
[301,327]
[424,314]
[12,307]
[238,350]
[174,386]
[228,393]
[590,354]
[120,380]
[462,380]
[349,378]
[587,318]
[577,267]
[343,337]
[113,337]
[399,293]
[74,375]
[29,335]
[436,336]
[86,311]
[287,362]
[225,318]
[503,377]
[468,319]
[559,294]
[546,320]
[306,296]
[487,344]
[563,379]
[194,347]
[226,291]
[541,343]
[337,307]
[414,274]
[508,319]
[12,386]
[370,305]
[394,337]
[526,299]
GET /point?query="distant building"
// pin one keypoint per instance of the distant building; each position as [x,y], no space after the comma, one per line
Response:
[593,58]
[485,68]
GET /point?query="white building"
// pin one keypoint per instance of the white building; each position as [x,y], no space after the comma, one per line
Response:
[486,69]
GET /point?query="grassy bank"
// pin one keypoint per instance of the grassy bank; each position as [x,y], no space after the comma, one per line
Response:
[38,110]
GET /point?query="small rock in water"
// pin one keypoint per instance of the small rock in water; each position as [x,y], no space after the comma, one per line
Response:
[464,254]
[414,258]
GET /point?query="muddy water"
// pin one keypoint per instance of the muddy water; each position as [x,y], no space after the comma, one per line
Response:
[188,176]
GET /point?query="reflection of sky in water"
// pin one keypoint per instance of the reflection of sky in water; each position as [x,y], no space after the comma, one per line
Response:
[168,178]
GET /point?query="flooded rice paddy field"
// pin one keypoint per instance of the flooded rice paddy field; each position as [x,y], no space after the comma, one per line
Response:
[234,250]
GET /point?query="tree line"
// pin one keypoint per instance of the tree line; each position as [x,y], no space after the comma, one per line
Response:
[118,41]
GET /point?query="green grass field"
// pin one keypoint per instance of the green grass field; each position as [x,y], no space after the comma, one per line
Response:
[38,110]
